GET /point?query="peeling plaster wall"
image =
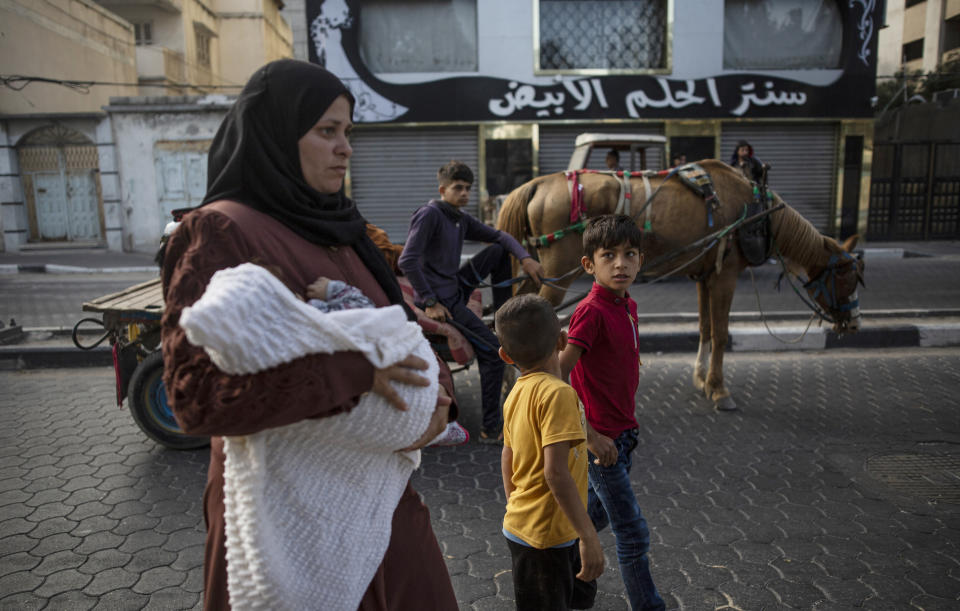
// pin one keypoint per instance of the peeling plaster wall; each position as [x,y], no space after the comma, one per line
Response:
[138,124]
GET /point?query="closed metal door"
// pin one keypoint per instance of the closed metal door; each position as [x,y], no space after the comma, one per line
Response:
[803,163]
[181,179]
[51,200]
[61,187]
[82,205]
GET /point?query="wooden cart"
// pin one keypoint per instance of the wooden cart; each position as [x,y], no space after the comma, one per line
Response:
[131,320]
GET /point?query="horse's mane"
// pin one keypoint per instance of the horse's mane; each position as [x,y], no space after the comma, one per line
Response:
[796,237]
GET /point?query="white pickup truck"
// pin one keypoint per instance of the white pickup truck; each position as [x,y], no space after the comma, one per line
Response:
[636,151]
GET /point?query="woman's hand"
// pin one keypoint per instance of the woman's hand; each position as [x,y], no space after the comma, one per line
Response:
[403,372]
[438,421]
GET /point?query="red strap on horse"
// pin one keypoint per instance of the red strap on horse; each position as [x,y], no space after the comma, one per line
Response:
[578,208]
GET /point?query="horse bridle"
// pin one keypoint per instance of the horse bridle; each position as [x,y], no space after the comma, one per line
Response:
[840,266]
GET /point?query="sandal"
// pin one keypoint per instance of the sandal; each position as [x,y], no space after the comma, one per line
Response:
[489,439]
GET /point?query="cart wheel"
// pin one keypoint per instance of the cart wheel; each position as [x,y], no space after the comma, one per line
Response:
[148,406]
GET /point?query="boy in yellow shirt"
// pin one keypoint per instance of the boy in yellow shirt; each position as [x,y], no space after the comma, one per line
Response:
[544,466]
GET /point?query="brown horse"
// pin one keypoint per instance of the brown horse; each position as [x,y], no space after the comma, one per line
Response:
[676,218]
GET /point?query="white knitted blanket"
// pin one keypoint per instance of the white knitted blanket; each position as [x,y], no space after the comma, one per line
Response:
[309,506]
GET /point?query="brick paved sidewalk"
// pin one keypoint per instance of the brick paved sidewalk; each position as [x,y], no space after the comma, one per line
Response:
[836,486]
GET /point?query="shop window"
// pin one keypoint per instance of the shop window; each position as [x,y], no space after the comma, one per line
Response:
[420,36]
[781,34]
[625,35]
[913,50]
[143,33]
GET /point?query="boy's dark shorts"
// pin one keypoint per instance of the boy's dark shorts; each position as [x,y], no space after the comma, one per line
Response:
[546,578]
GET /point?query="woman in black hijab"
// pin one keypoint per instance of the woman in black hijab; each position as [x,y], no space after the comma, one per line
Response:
[275,197]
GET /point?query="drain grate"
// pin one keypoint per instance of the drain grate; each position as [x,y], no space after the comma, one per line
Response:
[935,477]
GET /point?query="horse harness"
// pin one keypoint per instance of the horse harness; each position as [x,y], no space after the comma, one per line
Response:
[754,237]
[578,207]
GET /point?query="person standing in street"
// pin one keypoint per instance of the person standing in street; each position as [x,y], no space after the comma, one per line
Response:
[275,196]
[554,548]
[602,358]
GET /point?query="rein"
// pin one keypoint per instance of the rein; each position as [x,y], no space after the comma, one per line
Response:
[824,284]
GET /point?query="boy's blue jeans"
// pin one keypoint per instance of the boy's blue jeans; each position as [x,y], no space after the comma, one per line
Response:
[610,500]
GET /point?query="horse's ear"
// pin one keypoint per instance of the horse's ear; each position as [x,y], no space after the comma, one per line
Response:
[851,242]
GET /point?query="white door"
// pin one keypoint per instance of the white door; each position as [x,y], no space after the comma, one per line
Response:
[82,205]
[50,196]
[181,179]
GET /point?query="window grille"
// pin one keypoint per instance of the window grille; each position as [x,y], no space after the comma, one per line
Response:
[143,33]
[602,34]
[203,48]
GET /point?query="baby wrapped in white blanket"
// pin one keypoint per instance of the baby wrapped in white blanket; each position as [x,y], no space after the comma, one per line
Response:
[309,505]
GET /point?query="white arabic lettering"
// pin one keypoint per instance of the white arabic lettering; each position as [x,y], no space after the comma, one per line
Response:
[524,96]
[680,99]
[748,97]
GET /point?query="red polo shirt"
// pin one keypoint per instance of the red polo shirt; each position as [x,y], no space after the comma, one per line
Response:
[608,372]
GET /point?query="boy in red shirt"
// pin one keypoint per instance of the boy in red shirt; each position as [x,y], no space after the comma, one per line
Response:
[604,357]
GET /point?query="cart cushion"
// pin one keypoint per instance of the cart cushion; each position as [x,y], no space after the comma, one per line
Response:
[460,349]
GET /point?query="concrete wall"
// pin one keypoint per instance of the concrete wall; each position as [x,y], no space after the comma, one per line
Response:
[294,12]
[63,39]
[252,33]
[138,124]
[890,41]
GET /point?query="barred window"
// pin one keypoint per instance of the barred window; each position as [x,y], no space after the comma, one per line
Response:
[781,34]
[418,36]
[203,47]
[628,35]
[143,33]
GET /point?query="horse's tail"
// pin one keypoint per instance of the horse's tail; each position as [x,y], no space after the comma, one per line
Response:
[513,218]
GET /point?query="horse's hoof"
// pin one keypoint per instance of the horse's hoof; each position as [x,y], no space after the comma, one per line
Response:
[725,404]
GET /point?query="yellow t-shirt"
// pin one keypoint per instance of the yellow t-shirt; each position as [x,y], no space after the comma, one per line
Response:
[542,410]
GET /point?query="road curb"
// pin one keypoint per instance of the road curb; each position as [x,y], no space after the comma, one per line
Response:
[793,338]
[53,268]
[748,339]
[53,357]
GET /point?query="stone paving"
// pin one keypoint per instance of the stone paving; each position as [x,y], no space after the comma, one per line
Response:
[836,486]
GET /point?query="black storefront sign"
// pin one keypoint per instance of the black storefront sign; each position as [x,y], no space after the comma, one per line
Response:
[483,98]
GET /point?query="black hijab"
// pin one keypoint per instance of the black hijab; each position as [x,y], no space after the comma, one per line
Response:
[255,160]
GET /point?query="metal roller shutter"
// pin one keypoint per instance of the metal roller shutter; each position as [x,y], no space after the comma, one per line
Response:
[803,163]
[556,143]
[394,171]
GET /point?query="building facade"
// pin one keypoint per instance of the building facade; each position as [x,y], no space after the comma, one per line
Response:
[56,178]
[921,36]
[506,85]
[86,160]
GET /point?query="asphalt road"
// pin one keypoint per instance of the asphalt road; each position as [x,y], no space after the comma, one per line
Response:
[837,486]
[915,284]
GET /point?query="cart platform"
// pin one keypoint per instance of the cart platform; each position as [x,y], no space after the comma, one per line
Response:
[137,304]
